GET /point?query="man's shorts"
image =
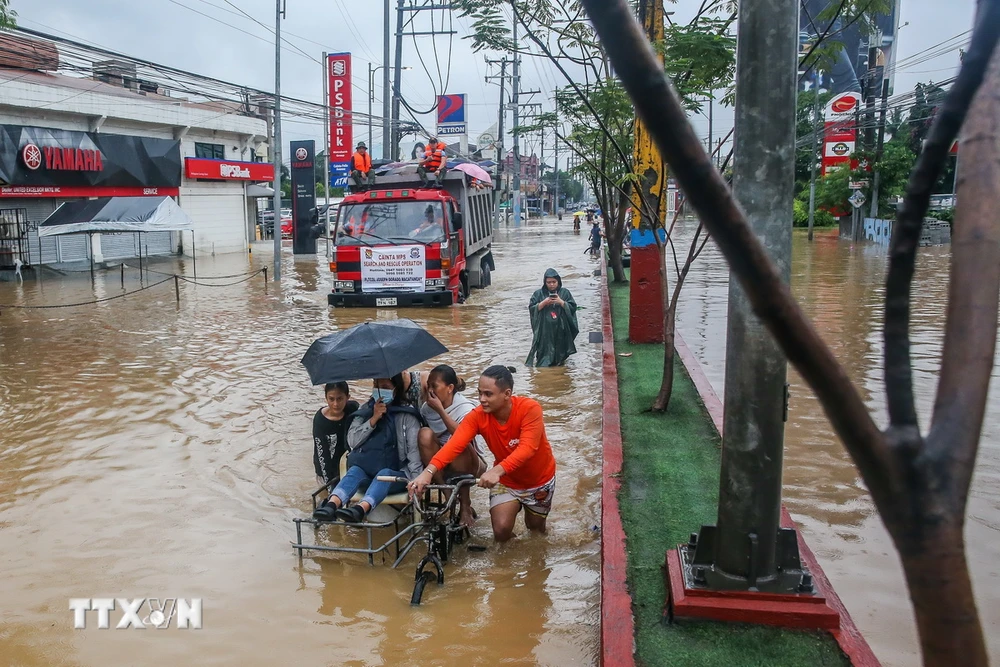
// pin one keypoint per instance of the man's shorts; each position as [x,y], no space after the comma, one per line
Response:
[537,501]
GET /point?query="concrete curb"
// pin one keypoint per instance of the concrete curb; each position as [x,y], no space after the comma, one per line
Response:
[617,623]
[848,637]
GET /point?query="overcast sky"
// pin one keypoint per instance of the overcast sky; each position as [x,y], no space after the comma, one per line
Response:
[232,47]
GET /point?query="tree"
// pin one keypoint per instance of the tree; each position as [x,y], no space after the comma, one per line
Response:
[8,17]
[699,58]
[919,483]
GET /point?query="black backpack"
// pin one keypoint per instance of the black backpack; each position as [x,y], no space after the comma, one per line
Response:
[380,450]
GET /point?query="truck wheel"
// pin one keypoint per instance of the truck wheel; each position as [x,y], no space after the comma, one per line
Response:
[485,277]
[463,288]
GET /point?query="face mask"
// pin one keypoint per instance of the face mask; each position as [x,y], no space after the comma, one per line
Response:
[384,395]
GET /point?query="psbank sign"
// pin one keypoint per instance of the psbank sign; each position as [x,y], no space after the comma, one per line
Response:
[228,170]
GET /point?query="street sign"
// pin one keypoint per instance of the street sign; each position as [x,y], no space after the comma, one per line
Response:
[857,199]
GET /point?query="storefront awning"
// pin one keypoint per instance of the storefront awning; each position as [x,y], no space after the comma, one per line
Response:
[258,190]
[116,214]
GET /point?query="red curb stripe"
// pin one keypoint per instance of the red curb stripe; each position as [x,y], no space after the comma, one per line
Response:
[617,624]
[848,637]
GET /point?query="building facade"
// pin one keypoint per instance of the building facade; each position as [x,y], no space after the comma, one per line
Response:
[64,138]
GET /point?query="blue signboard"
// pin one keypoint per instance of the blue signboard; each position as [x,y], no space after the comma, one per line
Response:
[340,172]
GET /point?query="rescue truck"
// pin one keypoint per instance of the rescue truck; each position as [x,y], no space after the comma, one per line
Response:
[402,244]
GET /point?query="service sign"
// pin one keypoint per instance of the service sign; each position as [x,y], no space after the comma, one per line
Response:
[842,107]
[395,268]
[338,66]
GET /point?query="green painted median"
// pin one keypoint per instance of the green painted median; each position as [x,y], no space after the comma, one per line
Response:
[670,488]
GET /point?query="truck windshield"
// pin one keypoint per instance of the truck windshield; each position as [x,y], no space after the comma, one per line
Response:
[395,222]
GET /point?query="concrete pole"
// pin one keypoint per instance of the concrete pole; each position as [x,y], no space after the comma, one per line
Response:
[649,209]
[396,86]
[326,146]
[556,139]
[516,98]
[276,227]
[812,161]
[755,395]
[879,145]
[386,132]
[501,154]
[371,98]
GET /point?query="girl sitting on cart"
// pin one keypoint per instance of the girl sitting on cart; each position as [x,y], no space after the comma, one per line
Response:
[382,441]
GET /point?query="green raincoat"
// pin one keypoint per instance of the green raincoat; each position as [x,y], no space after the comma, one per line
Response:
[555,327]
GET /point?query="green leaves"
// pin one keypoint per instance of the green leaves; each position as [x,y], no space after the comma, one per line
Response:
[7,15]
[700,58]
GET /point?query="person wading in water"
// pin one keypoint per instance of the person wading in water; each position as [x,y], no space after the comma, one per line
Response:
[553,320]
[524,470]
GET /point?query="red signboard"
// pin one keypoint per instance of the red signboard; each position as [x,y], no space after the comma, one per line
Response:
[338,67]
[7,191]
[228,170]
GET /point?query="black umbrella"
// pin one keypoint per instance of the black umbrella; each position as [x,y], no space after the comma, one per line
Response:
[370,350]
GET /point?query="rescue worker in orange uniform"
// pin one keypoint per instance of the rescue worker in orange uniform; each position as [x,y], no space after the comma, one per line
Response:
[433,163]
[361,168]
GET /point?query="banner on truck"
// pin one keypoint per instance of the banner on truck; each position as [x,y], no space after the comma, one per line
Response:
[396,268]
[338,67]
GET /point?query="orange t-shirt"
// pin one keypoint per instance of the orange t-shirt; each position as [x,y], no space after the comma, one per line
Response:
[519,446]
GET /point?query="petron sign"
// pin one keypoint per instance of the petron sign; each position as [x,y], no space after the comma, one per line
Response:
[228,170]
[47,162]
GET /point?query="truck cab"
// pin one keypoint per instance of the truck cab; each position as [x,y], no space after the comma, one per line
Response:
[399,244]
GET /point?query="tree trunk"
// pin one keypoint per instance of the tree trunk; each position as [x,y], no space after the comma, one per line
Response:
[617,270]
[667,383]
[937,576]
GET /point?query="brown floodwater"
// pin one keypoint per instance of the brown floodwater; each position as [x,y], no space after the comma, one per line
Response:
[151,449]
[841,287]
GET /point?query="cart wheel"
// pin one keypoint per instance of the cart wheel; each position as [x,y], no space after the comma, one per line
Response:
[418,587]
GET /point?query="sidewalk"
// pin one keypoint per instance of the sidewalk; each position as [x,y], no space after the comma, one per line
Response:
[669,483]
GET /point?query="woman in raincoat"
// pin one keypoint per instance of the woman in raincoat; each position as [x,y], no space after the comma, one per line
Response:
[553,321]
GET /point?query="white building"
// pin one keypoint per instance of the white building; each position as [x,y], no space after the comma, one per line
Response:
[64,138]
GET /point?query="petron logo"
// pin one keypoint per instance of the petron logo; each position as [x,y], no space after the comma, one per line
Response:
[301,154]
[32,156]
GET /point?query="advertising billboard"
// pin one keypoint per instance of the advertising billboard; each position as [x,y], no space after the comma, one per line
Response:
[847,73]
[338,67]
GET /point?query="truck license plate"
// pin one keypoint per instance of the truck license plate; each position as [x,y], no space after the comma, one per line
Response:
[389,301]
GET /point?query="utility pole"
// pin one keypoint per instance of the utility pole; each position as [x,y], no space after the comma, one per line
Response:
[877,178]
[649,208]
[711,113]
[276,226]
[398,67]
[812,158]
[371,98]
[516,98]
[501,153]
[326,146]
[386,134]
[747,549]
[556,139]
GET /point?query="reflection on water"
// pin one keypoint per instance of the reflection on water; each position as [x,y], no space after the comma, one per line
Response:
[156,449]
[841,287]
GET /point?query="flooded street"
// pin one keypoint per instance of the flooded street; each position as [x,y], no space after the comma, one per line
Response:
[841,288]
[152,449]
